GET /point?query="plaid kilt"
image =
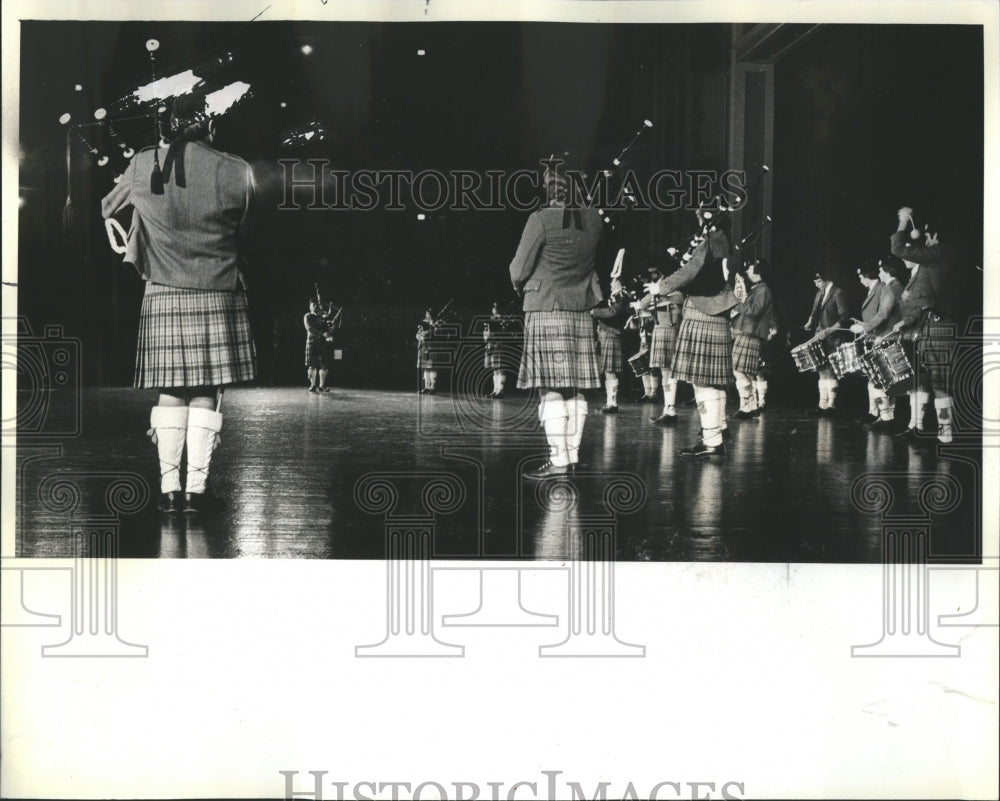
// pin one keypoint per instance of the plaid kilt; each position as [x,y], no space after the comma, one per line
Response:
[935,348]
[558,351]
[193,338]
[316,352]
[747,353]
[610,357]
[704,349]
[425,356]
[663,347]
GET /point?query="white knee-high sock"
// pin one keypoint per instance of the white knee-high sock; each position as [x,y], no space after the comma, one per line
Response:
[670,396]
[720,396]
[707,399]
[576,409]
[204,426]
[943,408]
[611,389]
[760,385]
[554,415]
[748,398]
[922,399]
[168,430]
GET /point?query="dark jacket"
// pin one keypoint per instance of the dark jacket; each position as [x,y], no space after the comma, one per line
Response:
[702,279]
[929,288]
[756,314]
[554,266]
[880,310]
[612,316]
[189,236]
[830,312]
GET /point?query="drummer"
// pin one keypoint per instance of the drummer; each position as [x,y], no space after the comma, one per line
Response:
[927,316]
[829,315]
[879,313]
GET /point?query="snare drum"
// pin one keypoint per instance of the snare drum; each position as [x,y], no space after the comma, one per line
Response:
[846,359]
[809,356]
[640,363]
[888,368]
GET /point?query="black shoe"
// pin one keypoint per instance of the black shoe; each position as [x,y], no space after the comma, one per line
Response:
[196,502]
[548,470]
[170,502]
[867,419]
[665,420]
[646,399]
[609,410]
[701,449]
[497,395]
[906,434]
[820,412]
[742,415]
[314,389]
[887,426]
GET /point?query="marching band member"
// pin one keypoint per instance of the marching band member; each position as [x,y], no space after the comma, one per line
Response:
[194,332]
[666,313]
[829,314]
[704,344]
[493,358]
[554,269]
[652,380]
[753,325]
[926,312]
[425,357]
[879,313]
[611,319]
[316,350]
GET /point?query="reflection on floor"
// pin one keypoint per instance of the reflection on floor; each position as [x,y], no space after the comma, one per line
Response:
[310,476]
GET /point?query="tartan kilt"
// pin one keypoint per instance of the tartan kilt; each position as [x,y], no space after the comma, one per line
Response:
[193,338]
[663,346]
[704,349]
[316,352]
[747,350]
[935,348]
[558,351]
[425,356]
[610,357]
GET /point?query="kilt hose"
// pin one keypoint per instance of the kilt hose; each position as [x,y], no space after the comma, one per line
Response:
[610,357]
[747,351]
[935,350]
[316,352]
[193,338]
[558,351]
[663,345]
[704,349]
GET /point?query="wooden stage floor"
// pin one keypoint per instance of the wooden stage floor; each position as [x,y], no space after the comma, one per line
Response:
[307,476]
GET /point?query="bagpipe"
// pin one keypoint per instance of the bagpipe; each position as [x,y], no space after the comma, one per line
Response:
[164,109]
[504,319]
[332,316]
[432,322]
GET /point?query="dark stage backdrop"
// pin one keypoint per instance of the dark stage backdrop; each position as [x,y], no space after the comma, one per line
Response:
[867,118]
